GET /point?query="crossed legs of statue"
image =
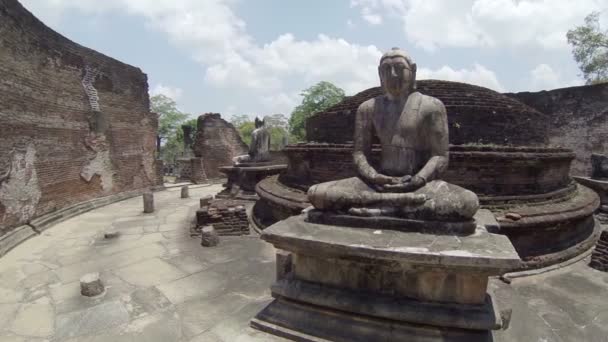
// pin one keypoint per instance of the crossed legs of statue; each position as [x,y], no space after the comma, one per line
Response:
[437,200]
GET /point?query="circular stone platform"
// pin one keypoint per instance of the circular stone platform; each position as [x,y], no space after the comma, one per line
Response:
[163,286]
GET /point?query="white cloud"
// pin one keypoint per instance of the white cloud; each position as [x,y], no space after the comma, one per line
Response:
[431,24]
[174,93]
[218,39]
[478,75]
[544,77]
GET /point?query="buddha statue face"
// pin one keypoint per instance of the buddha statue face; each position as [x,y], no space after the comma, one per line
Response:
[397,73]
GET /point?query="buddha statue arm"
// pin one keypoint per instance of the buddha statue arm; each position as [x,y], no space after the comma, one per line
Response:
[363,146]
[438,142]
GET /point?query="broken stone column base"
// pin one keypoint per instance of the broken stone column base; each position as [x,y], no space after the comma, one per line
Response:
[91,285]
[209,237]
[384,285]
[148,202]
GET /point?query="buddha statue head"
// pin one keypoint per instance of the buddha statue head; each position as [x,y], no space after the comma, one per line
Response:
[397,73]
[259,123]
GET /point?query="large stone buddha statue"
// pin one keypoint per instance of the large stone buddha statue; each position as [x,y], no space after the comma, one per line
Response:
[413,132]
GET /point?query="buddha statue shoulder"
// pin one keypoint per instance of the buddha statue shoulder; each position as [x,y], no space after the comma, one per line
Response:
[413,132]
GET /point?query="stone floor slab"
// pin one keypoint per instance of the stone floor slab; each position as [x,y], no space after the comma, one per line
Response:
[92,320]
[36,320]
[150,272]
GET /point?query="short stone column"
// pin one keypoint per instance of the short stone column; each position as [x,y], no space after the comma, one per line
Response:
[185,193]
[148,202]
[91,285]
[209,237]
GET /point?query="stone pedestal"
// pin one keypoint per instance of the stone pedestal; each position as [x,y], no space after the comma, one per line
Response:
[385,284]
[601,187]
[243,178]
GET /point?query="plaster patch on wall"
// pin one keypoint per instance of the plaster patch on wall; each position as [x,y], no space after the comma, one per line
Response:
[100,165]
[19,188]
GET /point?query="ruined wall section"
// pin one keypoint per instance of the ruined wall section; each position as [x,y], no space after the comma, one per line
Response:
[74,124]
[577,119]
[217,142]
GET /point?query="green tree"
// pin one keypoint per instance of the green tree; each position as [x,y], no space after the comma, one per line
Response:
[315,99]
[169,125]
[590,49]
[244,125]
[174,144]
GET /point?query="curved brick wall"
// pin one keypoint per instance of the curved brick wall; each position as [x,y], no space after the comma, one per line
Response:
[74,124]
[505,121]
[578,120]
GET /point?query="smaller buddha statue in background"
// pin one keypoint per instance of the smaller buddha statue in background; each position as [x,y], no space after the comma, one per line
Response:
[259,149]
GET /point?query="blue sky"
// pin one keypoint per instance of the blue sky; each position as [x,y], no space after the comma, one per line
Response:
[254,57]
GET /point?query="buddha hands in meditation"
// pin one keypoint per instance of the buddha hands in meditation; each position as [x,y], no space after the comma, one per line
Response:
[413,133]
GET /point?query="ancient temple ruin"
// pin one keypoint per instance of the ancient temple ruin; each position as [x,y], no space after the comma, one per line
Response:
[354,239]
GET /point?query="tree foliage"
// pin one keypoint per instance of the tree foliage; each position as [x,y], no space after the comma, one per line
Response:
[590,49]
[315,99]
[170,120]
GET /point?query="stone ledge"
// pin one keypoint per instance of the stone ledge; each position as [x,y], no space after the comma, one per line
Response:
[15,237]
[482,251]
[476,317]
[41,223]
[301,322]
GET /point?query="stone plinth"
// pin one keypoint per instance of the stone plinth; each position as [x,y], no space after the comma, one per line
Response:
[601,187]
[385,284]
[227,217]
[242,179]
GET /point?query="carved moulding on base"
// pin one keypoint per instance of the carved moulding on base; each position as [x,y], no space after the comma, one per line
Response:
[385,284]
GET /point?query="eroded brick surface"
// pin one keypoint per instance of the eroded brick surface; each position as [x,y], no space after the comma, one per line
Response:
[74,124]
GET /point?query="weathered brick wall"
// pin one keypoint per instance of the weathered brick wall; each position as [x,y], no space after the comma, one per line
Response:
[578,120]
[217,142]
[226,216]
[74,124]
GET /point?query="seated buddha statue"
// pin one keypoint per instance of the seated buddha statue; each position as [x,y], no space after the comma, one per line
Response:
[259,149]
[413,132]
